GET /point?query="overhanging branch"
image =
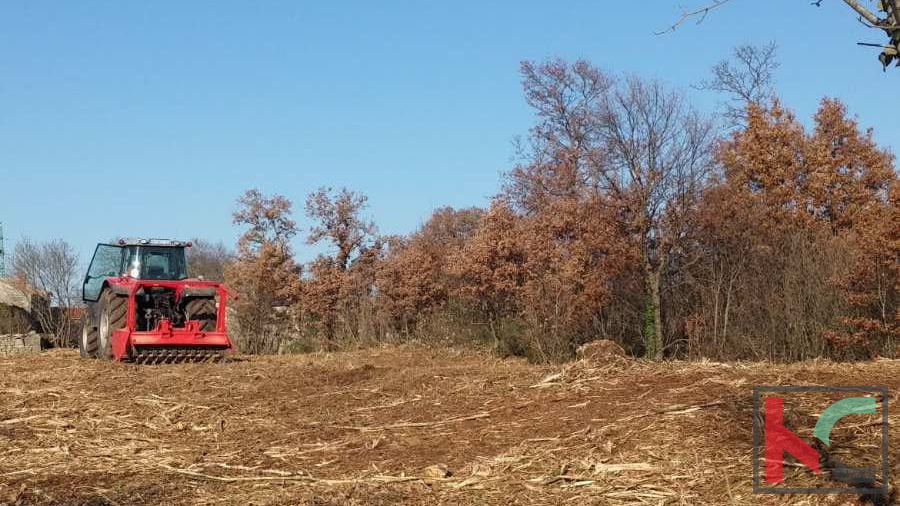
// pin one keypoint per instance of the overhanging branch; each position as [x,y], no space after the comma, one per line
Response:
[865,13]
[868,15]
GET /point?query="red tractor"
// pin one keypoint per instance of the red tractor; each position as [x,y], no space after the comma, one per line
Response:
[142,307]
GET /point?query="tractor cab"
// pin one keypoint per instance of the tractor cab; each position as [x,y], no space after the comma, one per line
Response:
[149,259]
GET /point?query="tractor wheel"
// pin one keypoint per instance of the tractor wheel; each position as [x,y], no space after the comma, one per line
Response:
[204,311]
[113,316]
[89,342]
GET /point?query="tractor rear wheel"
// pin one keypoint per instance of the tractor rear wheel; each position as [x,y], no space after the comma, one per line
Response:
[88,344]
[204,311]
[113,315]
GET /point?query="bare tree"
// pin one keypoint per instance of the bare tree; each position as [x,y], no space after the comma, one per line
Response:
[630,145]
[658,154]
[748,78]
[209,259]
[889,23]
[52,268]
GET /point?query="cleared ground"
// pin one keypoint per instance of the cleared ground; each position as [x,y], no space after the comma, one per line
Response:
[400,426]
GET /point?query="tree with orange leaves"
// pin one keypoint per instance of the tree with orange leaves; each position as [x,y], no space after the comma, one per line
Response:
[813,217]
[489,267]
[337,220]
[575,252]
[339,282]
[412,279]
[264,275]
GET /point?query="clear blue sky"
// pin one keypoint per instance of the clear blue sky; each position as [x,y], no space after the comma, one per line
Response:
[150,118]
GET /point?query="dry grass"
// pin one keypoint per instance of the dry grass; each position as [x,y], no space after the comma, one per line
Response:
[393,426]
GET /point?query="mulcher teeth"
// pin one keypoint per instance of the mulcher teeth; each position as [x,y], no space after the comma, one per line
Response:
[176,355]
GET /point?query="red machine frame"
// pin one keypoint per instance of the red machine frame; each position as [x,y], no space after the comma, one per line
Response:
[125,340]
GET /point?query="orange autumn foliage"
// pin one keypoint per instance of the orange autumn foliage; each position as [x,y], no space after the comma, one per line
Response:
[626,218]
[264,275]
[804,218]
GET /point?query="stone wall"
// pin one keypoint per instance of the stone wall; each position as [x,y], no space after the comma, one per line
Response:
[20,344]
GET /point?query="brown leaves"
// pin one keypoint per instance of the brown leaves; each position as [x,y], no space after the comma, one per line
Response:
[267,219]
[414,278]
[552,270]
[829,189]
[337,219]
[265,275]
[490,265]
[623,218]
[833,174]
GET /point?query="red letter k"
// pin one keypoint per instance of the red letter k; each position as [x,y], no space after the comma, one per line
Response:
[779,440]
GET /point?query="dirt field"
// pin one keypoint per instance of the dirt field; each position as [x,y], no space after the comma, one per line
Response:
[394,426]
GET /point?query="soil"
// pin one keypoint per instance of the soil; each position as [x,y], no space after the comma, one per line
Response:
[371,427]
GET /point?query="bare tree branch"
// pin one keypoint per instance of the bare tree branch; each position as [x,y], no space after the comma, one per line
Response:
[687,15]
[865,13]
[890,24]
[208,259]
[890,7]
[873,20]
[748,77]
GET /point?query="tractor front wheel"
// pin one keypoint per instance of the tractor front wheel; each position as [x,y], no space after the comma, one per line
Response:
[113,315]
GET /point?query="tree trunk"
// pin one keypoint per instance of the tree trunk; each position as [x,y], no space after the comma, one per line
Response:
[716,291]
[656,301]
[653,332]
[491,320]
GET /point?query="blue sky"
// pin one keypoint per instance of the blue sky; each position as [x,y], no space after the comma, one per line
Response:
[150,118]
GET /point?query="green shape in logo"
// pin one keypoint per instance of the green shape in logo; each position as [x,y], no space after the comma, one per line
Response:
[839,410]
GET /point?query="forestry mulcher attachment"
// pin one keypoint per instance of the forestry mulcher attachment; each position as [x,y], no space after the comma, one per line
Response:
[142,307]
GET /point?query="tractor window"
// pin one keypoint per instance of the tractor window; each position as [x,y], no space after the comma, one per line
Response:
[131,266]
[107,262]
[163,263]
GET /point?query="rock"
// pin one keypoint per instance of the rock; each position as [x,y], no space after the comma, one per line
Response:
[437,471]
[601,350]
